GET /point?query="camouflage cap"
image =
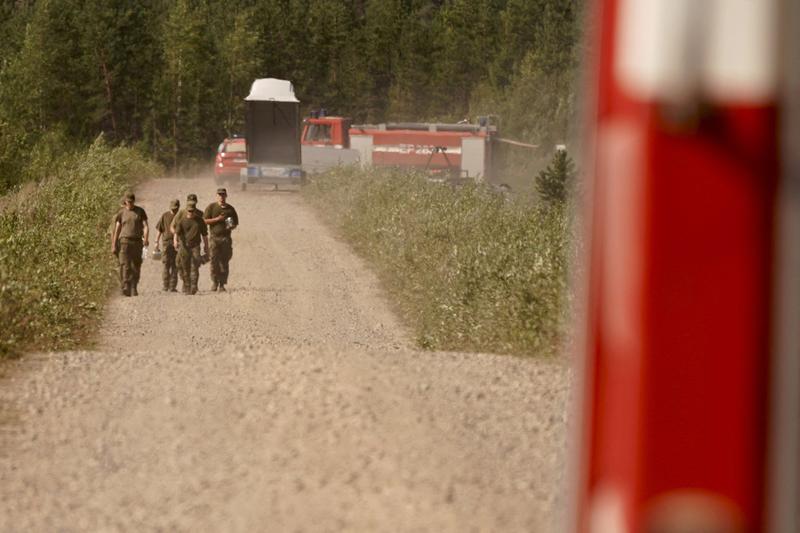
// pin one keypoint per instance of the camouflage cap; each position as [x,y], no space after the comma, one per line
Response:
[175,204]
[130,197]
[191,196]
[222,190]
[191,205]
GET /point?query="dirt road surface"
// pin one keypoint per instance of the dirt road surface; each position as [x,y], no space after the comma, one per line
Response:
[294,402]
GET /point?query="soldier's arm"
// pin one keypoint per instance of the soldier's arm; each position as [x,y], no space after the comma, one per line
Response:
[175,234]
[115,236]
[146,233]
[207,215]
[159,230]
[235,218]
[173,224]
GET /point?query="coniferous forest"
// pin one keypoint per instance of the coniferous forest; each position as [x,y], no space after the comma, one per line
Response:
[168,76]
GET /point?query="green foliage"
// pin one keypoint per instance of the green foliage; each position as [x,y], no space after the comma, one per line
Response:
[469,268]
[117,48]
[241,61]
[380,37]
[532,79]
[555,182]
[185,79]
[55,268]
[465,32]
[410,92]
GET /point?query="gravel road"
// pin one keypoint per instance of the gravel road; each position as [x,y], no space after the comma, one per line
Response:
[294,402]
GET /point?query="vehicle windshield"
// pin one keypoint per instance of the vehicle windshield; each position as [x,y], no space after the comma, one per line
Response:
[318,133]
[236,147]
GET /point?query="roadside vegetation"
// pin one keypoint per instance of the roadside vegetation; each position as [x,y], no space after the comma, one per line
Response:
[468,268]
[55,265]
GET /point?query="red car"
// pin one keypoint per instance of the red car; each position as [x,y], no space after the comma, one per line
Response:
[231,157]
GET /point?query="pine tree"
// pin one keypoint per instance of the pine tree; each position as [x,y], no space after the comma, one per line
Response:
[519,21]
[555,182]
[119,49]
[190,103]
[47,79]
[410,93]
[382,32]
[241,59]
[465,38]
[331,74]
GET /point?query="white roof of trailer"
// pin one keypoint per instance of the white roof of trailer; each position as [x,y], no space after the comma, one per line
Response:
[272,90]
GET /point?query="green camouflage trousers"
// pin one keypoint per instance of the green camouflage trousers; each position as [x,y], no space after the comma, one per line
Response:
[181,273]
[169,258]
[221,253]
[189,260]
[130,262]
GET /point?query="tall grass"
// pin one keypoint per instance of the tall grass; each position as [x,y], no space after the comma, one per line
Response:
[468,268]
[55,265]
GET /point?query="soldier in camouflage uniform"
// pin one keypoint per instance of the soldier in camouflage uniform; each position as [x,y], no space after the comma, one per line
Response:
[177,218]
[169,255]
[190,230]
[111,230]
[221,218]
[130,234]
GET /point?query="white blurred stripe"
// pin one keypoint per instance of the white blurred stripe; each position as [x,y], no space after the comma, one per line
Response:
[722,50]
[414,149]
[651,45]
[742,56]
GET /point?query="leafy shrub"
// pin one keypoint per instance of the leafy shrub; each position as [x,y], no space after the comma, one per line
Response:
[555,182]
[468,268]
[55,268]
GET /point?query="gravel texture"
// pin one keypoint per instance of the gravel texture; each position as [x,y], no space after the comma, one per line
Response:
[294,402]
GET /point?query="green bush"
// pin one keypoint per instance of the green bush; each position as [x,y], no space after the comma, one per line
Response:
[468,268]
[555,183]
[55,268]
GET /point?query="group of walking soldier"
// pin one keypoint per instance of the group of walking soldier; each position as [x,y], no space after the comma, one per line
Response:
[180,232]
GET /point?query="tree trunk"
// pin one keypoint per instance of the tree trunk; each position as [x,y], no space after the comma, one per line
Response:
[109,96]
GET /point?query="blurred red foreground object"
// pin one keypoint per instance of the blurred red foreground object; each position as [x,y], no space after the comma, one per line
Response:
[691,327]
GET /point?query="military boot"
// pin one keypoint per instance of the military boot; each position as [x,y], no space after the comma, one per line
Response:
[134,292]
[126,290]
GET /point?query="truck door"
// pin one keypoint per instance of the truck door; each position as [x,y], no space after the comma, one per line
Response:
[272,133]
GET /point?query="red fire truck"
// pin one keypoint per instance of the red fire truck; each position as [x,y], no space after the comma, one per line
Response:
[446,150]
